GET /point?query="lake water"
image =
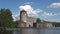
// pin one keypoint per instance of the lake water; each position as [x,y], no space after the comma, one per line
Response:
[54,30]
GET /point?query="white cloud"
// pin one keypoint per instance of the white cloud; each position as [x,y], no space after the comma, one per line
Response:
[31,12]
[14,19]
[26,7]
[28,3]
[16,16]
[54,5]
[45,14]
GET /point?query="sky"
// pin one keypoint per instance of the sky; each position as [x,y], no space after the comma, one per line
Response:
[48,10]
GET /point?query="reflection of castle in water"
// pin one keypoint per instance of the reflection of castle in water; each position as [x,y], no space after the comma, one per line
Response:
[26,21]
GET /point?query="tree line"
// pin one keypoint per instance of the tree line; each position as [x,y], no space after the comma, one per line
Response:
[6,21]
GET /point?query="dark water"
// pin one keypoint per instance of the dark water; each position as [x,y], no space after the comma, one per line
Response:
[54,30]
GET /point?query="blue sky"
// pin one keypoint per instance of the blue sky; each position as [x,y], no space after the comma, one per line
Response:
[48,10]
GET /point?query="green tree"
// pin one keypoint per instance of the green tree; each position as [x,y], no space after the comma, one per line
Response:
[38,20]
[16,23]
[6,19]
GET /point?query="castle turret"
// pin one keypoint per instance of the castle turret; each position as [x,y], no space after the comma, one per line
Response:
[23,15]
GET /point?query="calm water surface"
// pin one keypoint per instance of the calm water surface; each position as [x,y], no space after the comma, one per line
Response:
[54,30]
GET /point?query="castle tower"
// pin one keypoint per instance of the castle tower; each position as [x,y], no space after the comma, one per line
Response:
[25,20]
[23,16]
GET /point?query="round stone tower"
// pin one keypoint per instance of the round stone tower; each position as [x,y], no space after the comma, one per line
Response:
[23,15]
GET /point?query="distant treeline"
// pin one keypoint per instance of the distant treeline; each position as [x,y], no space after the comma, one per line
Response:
[56,24]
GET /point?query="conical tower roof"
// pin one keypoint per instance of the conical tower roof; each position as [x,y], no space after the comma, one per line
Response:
[23,11]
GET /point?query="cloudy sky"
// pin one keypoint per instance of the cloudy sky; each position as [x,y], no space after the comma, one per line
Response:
[48,10]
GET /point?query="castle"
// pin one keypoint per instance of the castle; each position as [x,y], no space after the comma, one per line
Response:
[26,21]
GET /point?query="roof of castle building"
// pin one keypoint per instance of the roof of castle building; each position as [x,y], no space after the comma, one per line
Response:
[22,11]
